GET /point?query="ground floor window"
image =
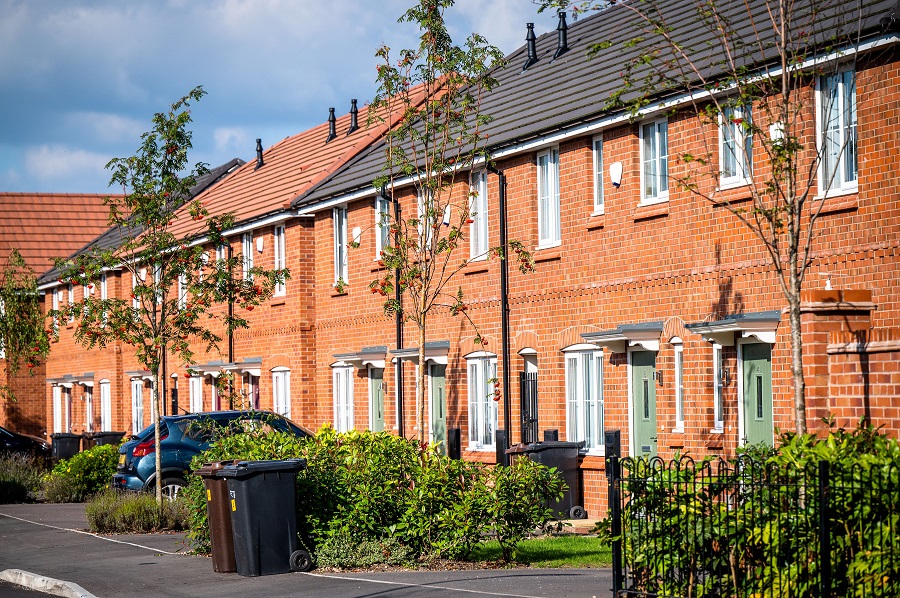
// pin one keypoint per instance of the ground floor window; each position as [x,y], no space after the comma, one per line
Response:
[342,378]
[105,406]
[281,391]
[137,405]
[195,394]
[88,395]
[584,397]
[482,385]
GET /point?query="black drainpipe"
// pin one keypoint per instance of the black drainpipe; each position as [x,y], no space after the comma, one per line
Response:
[504,302]
[398,316]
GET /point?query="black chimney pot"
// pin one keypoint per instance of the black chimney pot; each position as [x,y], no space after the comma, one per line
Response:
[562,46]
[332,133]
[354,125]
[259,156]
[532,48]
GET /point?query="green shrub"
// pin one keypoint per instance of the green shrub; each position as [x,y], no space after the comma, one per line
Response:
[20,477]
[380,487]
[84,474]
[342,551]
[114,512]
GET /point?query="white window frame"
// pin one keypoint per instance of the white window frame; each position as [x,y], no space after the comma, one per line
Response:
[55,298]
[247,254]
[679,384]
[57,410]
[195,394]
[481,371]
[549,234]
[279,259]
[654,160]
[221,252]
[87,395]
[382,225]
[341,269]
[735,139]
[137,405]
[718,390]
[281,391]
[182,291]
[104,287]
[597,155]
[105,406]
[846,130]
[342,377]
[584,397]
[478,214]
[71,301]
[135,301]
[426,229]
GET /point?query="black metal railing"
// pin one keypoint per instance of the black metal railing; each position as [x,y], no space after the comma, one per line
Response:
[528,391]
[745,528]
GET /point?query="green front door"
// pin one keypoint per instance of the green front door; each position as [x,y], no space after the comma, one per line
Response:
[757,364]
[438,407]
[643,395]
[376,394]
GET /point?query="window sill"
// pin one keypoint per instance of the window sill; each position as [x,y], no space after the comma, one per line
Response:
[547,254]
[336,293]
[732,194]
[476,267]
[480,449]
[652,210]
[837,202]
[278,302]
[678,430]
[378,267]
[595,221]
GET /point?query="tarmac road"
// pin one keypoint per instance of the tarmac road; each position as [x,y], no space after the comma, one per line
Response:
[49,541]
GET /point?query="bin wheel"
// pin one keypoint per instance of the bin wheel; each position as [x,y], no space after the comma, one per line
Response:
[577,513]
[301,561]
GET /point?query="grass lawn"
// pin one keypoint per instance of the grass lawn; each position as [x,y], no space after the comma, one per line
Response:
[555,551]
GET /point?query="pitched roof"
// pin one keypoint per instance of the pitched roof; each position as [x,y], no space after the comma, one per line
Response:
[113,237]
[571,91]
[43,226]
[290,168]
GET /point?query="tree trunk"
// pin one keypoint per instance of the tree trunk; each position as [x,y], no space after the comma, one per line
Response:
[797,363]
[420,386]
[154,415]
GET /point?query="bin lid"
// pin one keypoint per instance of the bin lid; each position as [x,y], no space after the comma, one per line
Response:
[210,470]
[247,468]
[552,444]
[62,435]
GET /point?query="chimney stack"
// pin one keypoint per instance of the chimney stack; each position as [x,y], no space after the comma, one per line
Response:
[259,156]
[562,45]
[530,45]
[332,133]
[354,125]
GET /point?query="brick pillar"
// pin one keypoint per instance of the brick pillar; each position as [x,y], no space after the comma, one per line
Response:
[825,312]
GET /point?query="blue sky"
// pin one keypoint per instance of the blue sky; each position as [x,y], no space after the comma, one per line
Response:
[80,79]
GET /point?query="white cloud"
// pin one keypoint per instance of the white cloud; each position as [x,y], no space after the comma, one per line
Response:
[99,126]
[49,163]
[231,139]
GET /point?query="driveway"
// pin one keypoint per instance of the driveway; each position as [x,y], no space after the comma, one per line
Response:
[50,541]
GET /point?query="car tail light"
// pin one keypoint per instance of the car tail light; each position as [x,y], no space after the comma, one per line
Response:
[145,448]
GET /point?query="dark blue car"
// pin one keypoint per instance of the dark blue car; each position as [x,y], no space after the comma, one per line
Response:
[182,437]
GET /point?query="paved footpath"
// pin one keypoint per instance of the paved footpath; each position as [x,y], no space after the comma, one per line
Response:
[49,541]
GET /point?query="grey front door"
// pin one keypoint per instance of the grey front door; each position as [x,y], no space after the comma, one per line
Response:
[643,395]
[758,420]
[438,406]
[376,394]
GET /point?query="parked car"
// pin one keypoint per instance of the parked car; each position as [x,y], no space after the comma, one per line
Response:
[181,438]
[23,444]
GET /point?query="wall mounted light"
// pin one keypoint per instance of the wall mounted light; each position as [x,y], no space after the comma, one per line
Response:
[615,174]
[659,377]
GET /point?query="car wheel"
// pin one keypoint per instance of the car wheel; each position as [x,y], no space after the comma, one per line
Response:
[301,561]
[171,487]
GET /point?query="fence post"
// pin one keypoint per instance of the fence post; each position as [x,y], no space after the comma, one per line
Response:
[613,445]
[824,530]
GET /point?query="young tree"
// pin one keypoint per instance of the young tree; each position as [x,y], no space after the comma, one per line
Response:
[23,338]
[175,286]
[433,146]
[752,71]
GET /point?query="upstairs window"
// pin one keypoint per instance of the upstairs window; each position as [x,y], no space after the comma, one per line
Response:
[837,132]
[478,229]
[382,225]
[548,198]
[655,161]
[339,216]
[734,146]
[279,260]
[598,174]
[247,251]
